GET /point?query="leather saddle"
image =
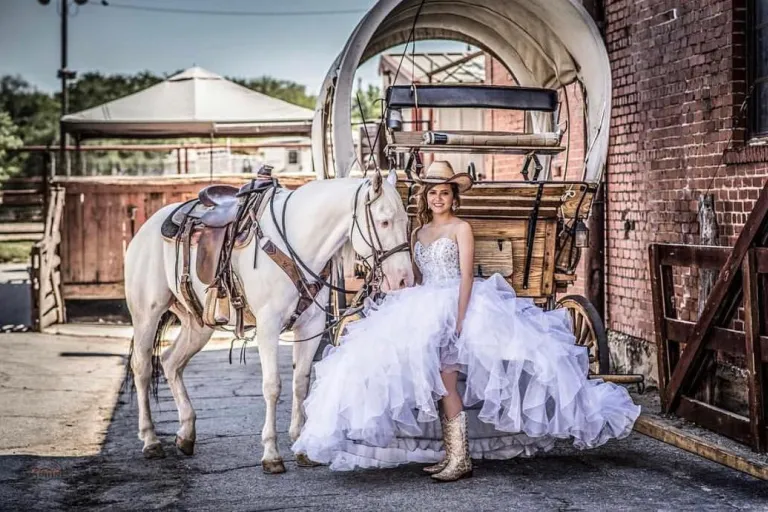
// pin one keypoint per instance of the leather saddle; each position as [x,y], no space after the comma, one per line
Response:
[221,219]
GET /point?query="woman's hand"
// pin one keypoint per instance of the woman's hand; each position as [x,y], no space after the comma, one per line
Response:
[459,326]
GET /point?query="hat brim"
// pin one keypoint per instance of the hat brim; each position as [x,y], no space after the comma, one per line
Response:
[462,179]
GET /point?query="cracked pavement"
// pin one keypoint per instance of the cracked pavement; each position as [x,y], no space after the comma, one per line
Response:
[101,468]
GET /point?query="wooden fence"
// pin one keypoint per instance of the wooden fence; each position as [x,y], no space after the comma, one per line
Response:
[101,216]
[686,349]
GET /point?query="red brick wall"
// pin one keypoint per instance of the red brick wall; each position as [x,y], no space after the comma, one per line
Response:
[678,86]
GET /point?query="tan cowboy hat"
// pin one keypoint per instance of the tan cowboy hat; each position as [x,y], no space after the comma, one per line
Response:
[441,171]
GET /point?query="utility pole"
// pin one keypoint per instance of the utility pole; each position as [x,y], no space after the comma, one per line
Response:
[63,74]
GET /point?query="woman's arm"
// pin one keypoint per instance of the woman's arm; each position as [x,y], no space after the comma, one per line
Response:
[466,241]
[416,272]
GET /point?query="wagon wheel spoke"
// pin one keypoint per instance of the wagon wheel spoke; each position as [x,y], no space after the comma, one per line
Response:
[579,320]
[588,331]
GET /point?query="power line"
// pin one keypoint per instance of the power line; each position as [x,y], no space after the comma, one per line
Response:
[172,10]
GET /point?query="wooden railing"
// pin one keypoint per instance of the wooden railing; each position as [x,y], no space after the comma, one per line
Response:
[685,348]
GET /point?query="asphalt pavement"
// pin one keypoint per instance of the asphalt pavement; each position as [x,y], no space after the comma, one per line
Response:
[106,471]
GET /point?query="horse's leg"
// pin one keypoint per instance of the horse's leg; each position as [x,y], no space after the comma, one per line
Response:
[303,355]
[145,329]
[267,335]
[192,338]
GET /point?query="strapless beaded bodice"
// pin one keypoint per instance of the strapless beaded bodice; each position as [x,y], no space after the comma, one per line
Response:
[438,261]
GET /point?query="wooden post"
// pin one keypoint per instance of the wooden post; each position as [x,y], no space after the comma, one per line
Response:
[755,377]
[595,278]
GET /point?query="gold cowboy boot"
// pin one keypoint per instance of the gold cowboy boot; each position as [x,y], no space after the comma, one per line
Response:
[457,446]
[436,468]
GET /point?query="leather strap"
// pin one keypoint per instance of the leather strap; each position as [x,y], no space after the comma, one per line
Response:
[185,282]
[307,291]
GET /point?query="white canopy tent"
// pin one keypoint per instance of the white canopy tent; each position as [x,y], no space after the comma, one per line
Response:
[543,43]
[193,103]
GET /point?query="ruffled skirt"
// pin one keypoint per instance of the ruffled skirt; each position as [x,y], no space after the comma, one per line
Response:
[374,399]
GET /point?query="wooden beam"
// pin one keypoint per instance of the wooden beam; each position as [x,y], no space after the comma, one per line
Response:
[692,355]
[700,256]
[720,339]
[755,378]
[663,430]
[714,418]
[100,291]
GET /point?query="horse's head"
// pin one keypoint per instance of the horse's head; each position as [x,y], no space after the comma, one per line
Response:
[381,235]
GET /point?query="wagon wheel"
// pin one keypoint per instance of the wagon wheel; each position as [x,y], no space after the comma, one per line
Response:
[589,331]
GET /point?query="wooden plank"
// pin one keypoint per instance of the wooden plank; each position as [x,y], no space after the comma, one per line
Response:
[73,264]
[755,378]
[509,202]
[48,318]
[720,339]
[661,429]
[681,378]
[570,205]
[714,418]
[548,263]
[481,212]
[59,198]
[659,318]
[48,302]
[93,229]
[515,231]
[102,291]
[699,256]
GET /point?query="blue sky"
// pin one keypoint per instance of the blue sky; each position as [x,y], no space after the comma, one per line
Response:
[118,40]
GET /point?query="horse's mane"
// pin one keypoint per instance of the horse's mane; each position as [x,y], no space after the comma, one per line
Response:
[348,259]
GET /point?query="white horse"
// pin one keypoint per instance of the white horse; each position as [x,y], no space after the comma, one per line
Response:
[319,226]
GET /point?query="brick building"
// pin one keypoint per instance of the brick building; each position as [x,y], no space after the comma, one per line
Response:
[681,73]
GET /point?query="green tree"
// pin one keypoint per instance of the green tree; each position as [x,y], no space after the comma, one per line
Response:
[370,101]
[92,89]
[35,113]
[9,140]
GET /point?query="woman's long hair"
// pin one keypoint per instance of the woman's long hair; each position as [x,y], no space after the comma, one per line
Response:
[423,213]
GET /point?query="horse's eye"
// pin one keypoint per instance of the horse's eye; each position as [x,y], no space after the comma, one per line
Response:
[385,224]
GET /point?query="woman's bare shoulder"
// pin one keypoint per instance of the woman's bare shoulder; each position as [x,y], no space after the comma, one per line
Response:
[462,227]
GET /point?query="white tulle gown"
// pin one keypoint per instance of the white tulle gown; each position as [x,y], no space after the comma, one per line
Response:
[374,399]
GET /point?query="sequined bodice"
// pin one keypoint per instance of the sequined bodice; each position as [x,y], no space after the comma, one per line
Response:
[438,261]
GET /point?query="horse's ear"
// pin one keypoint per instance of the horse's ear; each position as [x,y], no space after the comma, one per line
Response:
[376,182]
[392,177]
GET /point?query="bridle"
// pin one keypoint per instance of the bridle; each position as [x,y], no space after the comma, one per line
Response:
[375,274]
[378,253]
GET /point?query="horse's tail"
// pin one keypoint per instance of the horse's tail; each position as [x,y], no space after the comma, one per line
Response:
[166,321]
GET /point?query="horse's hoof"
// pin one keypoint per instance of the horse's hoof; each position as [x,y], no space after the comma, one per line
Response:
[154,451]
[185,446]
[305,462]
[273,467]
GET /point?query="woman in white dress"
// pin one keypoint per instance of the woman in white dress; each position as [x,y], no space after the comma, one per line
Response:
[376,394]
